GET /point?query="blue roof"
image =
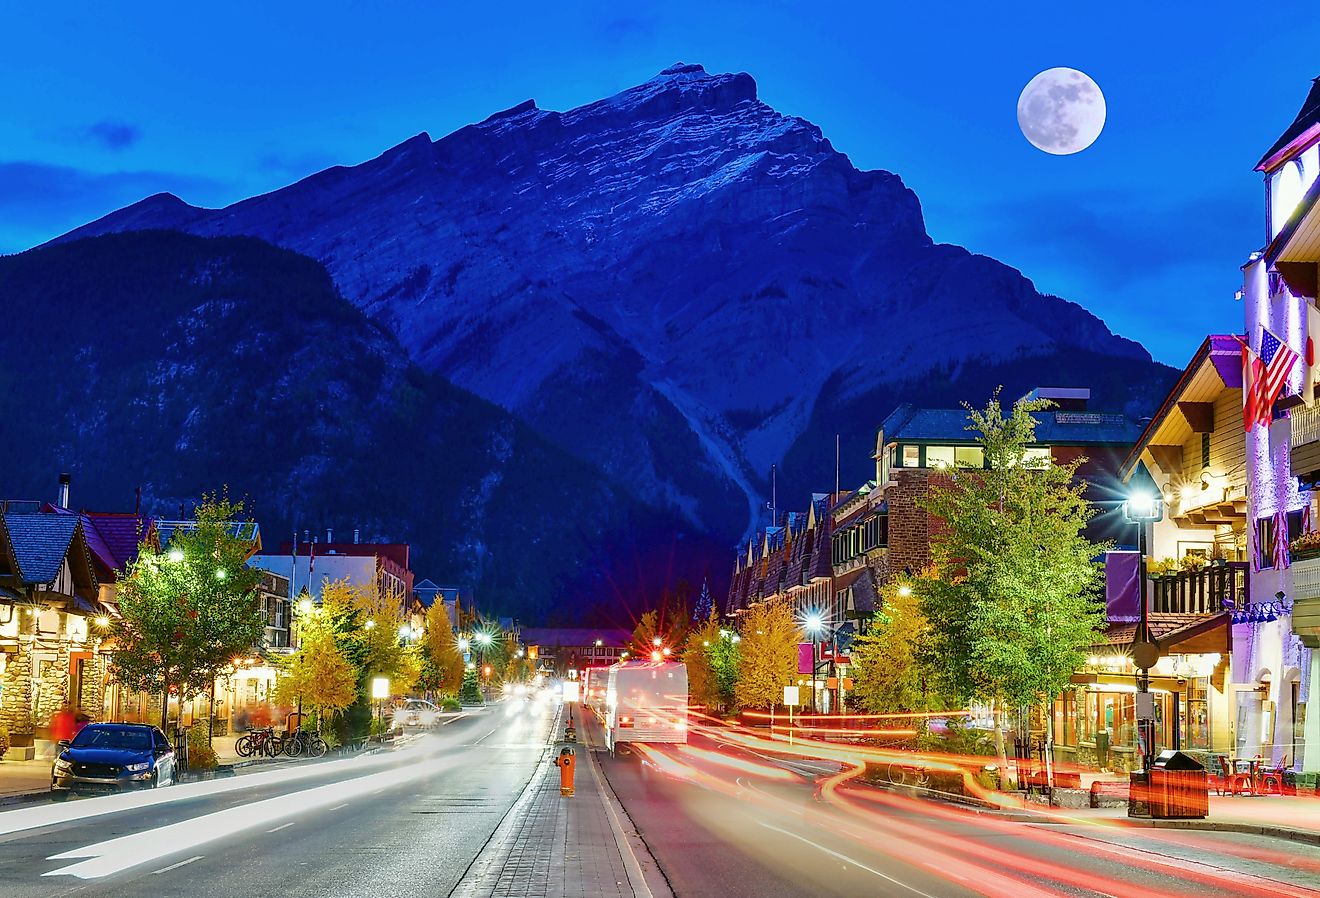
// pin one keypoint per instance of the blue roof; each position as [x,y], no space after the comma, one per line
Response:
[1066,428]
[41,543]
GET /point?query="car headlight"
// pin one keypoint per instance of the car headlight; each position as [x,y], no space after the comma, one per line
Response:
[134,768]
[63,766]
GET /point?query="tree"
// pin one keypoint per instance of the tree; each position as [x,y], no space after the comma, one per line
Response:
[1014,602]
[470,692]
[319,675]
[187,610]
[890,660]
[441,649]
[705,609]
[711,656]
[769,654]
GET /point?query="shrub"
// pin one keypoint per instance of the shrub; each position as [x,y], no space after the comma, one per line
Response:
[449,703]
[201,756]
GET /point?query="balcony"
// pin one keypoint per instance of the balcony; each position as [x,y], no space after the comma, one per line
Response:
[1209,590]
[1306,600]
[1305,453]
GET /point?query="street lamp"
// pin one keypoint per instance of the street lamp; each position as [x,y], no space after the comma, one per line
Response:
[1142,508]
[305,606]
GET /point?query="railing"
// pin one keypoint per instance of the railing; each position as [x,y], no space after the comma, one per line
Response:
[1209,590]
[1305,424]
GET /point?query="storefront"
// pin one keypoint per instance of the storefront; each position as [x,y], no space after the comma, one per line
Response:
[1095,720]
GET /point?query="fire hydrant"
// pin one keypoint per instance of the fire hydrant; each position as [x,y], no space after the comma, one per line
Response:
[565,762]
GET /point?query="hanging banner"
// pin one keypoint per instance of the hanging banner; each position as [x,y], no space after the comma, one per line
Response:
[1122,586]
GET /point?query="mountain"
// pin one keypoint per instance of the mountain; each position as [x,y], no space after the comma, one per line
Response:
[180,364]
[677,284]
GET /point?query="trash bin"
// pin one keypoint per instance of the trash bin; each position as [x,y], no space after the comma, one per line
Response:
[1179,787]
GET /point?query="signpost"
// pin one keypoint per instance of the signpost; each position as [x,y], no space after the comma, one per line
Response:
[792,698]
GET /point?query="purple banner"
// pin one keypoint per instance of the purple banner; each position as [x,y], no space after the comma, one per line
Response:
[806,657]
[1122,590]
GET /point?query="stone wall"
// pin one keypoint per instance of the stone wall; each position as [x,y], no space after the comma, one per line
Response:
[91,696]
[52,687]
[16,702]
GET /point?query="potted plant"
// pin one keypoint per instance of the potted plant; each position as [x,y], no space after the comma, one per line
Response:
[1305,546]
[1193,562]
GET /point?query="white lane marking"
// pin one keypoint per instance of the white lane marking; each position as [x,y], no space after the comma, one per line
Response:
[177,866]
[848,860]
[282,826]
[114,855]
[37,816]
[338,806]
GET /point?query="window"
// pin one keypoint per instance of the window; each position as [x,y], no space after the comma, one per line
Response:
[939,456]
[969,457]
[1036,457]
[911,456]
[1265,537]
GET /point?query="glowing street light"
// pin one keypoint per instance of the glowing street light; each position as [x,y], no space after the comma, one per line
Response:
[305,606]
[463,644]
[483,639]
[905,590]
[102,621]
[221,574]
[405,631]
[175,555]
[370,624]
[655,640]
[814,623]
[599,643]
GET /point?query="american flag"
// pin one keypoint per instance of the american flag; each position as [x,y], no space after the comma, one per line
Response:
[1280,540]
[1278,359]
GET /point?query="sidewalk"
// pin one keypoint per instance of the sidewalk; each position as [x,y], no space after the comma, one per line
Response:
[552,846]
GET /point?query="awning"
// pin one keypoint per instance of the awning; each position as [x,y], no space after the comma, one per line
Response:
[1181,634]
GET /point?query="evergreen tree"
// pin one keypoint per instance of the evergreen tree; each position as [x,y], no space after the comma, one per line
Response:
[705,609]
[470,692]
[1014,603]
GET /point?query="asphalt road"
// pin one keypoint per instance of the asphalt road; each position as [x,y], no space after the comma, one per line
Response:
[721,820]
[409,821]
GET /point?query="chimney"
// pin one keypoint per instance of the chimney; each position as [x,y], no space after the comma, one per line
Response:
[64,490]
[329,535]
[356,534]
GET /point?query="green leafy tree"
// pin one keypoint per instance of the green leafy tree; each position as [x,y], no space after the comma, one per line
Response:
[188,609]
[711,656]
[769,654]
[1014,602]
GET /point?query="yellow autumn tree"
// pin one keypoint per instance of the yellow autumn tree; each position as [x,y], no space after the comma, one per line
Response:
[319,675]
[441,646]
[890,660]
[769,653]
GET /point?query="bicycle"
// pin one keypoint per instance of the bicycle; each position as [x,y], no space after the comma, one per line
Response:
[305,742]
[900,774]
[261,741]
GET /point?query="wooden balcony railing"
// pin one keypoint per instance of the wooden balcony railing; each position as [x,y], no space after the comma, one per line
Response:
[1213,588]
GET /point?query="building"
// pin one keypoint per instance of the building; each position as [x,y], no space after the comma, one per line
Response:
[314,564]
[915,445]
[789,561]
[1275,660]
[49,608]
[561,649]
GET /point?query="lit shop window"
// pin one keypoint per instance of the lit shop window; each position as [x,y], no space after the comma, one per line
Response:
[969,457]
[911,456]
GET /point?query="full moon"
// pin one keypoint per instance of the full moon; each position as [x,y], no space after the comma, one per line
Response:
[1061,111]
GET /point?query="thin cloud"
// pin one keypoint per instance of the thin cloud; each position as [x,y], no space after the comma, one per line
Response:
[112,135]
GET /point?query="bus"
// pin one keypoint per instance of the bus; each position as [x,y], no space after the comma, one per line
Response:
[646,701]
[594,684]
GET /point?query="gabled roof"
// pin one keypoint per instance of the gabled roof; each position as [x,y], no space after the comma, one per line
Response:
[1056,427]
[1215,366]
[116,537]
[1304,128]
[41,543]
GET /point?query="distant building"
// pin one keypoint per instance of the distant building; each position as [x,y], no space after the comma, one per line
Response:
[574,648]
[316,563]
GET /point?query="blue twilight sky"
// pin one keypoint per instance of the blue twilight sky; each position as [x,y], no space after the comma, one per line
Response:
[100,107]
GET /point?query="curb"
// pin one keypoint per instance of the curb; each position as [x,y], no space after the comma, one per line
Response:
[975,806]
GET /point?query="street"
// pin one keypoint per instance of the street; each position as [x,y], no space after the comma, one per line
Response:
[408,820]
[720,819]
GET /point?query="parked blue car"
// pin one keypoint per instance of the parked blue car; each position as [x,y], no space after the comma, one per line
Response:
[112,757]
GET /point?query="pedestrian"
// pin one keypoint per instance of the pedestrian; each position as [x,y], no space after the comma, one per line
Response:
[61,726]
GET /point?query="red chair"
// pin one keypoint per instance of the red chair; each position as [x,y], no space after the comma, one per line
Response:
[1231,782]
[1272,776]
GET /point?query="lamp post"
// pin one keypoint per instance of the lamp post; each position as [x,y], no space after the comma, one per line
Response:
[1143,509]
[814,624]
